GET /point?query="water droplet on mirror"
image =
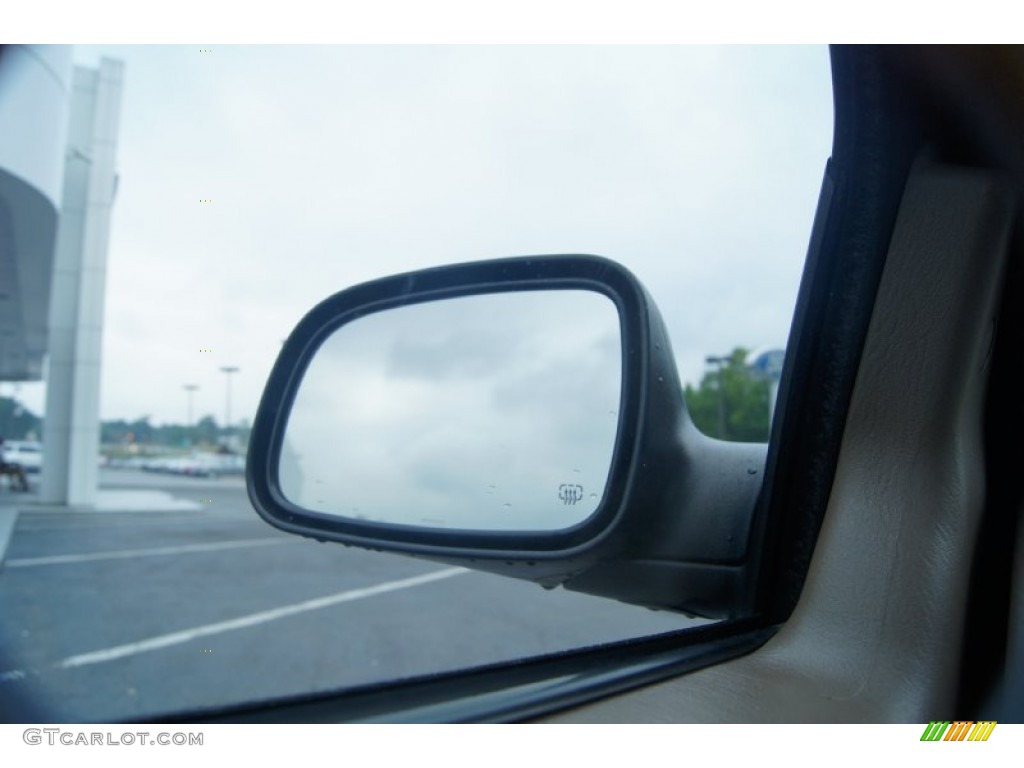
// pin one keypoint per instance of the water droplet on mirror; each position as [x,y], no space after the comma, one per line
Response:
[593,495]
[506,505]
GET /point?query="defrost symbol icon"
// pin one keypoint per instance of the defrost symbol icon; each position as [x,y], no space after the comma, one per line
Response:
[570,493]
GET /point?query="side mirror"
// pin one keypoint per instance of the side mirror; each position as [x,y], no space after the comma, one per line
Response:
[491,412]
[521,416]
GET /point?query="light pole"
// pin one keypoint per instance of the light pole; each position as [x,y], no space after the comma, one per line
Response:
[190,388]
[720,361]
[227,370]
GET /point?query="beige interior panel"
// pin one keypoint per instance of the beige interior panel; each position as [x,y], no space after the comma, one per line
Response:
[876,635]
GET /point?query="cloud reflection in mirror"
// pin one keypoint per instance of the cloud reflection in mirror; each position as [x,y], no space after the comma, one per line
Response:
[495,412]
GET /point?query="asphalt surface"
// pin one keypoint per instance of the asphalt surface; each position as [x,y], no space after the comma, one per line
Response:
[129,614]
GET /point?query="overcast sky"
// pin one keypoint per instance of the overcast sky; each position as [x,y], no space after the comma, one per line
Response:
[697,168]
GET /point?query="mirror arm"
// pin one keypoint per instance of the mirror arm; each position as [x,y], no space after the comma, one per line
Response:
[686,543]
[683,538]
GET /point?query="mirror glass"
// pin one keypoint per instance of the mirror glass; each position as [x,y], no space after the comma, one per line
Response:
[494,412]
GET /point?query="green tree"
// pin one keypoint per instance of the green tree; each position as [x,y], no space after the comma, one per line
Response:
[744,401]
[243,430]
[17,422]
[206,430]
[141,432]
[114,432]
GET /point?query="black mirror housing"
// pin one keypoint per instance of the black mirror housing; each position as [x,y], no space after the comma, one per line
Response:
[672,528]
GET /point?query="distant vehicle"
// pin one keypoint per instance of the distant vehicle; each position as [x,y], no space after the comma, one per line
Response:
[27,453]
[131,462]
[198,465]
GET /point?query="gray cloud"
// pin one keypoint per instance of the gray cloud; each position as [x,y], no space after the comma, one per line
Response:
[697,168]
[483,441]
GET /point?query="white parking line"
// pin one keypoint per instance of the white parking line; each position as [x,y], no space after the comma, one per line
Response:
[184,636]
[121,554]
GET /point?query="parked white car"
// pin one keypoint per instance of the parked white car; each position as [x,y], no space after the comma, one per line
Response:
[198,465]
[27,453]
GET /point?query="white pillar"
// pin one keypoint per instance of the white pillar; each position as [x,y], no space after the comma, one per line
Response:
[71,425]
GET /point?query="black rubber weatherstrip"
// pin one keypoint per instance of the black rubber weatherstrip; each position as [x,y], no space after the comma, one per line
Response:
[507,692]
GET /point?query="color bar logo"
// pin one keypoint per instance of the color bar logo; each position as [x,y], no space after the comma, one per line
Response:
[958,731]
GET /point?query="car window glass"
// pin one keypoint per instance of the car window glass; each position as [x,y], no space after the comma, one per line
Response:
[255,181]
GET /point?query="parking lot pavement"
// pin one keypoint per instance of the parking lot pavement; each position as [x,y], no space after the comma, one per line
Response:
[132,613]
